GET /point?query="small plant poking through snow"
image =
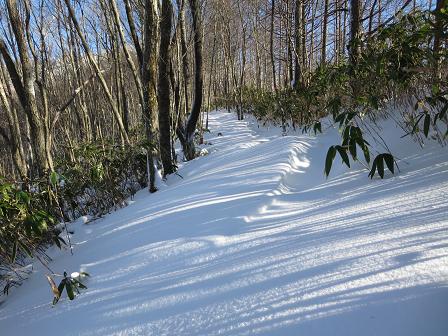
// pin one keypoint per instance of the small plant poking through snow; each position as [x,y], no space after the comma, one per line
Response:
[71,284]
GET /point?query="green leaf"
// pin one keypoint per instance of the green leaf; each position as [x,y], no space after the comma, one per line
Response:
[61,286]
[389,159]
[426,124]
[372,171]
[352,148]
[343,155]
[74,285]
[24,197]
[53,178]
[69,288]
[415,127]
[329,159]
[435,89]
[380,166]
[79,284]
[366,152]
[346,135]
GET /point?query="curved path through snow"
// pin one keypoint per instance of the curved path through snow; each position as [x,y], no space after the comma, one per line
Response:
[254,241]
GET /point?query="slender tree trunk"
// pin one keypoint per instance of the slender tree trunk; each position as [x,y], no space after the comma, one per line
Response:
[149,75]
[298,29]
[271,43]
[355,31]
[323,56]
[184,52]
[133,31]
[14,139]
[98,72]
[354,45]
[438,31]
[24,87]
[187,135]
[163,88]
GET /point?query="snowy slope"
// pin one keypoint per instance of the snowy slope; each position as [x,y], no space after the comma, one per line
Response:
[255,241]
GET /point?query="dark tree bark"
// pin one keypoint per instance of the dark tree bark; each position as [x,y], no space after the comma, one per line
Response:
[186,136]
[355,31]
[324,33]
[163,88]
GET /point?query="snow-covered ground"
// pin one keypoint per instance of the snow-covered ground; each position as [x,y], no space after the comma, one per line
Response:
[255,241]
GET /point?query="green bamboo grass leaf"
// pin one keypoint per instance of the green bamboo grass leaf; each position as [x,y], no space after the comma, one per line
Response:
[61,286]
[389,159]
[366,152]
[329,159]
[53,178]
[24,197]
[343,155]
[372,171]
[380,166]
[426,124]
[69,288]
[346,136]
[352,148]
[79,284]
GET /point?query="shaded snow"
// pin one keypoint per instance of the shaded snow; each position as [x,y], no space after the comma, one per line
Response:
[255,241]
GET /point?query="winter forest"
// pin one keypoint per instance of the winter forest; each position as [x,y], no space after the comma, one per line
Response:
[223,167]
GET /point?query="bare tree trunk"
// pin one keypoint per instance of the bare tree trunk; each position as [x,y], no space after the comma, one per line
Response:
[438,31]
[298,29]
[354,45]
[271,41]
[323,56]
[355,30]
[95,66]
[187,136]
[24,87]
[212,65]
[163,88]
[14,140]
[133,31]
[184,52]
[149,75]
[127,53]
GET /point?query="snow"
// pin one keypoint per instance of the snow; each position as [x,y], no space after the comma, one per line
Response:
[253,240]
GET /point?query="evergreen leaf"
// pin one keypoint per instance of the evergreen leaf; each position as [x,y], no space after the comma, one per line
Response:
[343,155]
[329,159]
[389,159]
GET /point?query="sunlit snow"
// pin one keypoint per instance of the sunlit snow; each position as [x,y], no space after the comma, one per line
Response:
[253,240]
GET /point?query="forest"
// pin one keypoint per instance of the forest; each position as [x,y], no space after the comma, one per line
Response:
[100,99]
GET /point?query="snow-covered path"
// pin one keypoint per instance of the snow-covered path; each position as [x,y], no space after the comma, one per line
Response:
[254,241]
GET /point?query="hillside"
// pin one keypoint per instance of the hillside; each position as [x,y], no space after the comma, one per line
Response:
[253,240]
